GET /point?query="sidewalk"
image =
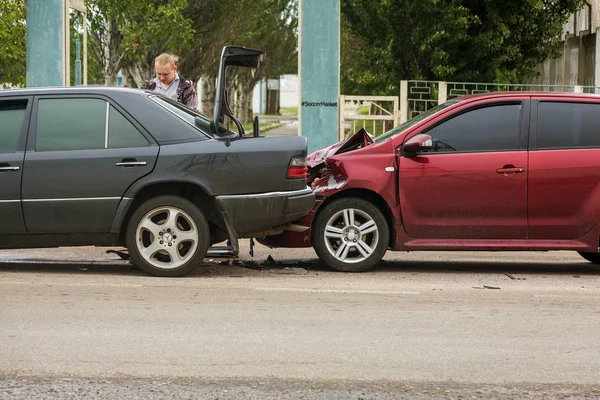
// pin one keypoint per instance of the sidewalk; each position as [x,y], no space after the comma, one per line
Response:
[288,128]
[289,125]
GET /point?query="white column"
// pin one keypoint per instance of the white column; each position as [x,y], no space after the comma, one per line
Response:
[443,92]
[403,101]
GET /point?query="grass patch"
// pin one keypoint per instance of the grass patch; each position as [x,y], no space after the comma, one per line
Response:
[363,110]
[289,111]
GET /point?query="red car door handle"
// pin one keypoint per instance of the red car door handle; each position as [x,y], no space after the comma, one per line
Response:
[510,169]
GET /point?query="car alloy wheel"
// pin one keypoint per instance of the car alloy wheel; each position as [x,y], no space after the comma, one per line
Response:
[167,237]
[350,234]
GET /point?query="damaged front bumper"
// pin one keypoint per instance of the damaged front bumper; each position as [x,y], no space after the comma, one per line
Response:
[325,179]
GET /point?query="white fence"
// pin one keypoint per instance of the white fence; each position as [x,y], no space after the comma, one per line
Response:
[376,114]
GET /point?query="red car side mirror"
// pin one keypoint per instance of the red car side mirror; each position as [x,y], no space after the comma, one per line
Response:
[417,143]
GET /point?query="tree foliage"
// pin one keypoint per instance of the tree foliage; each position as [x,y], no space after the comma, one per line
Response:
[128,35]
[268,25]
[12,42]
[498,41]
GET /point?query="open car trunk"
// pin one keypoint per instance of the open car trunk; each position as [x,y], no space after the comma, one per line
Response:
[234,56]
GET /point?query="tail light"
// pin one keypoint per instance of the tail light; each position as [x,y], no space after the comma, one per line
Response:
[297,168]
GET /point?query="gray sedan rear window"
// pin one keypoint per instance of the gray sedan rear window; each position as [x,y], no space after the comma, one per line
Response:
[192,117]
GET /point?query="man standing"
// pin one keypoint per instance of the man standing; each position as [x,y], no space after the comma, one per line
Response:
[169,83]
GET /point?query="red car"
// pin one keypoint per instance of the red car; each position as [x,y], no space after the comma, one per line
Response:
[500,171]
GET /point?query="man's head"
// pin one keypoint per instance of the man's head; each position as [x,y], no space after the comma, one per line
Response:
[166,66]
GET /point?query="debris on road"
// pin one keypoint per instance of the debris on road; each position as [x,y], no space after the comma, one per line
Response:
[486,287]
[514,278]
[254,265]
[269,264]
[230,262]
[302,265]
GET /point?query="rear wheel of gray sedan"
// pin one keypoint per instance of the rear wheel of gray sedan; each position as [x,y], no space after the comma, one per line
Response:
[592,257]
[167,236]
[350,235]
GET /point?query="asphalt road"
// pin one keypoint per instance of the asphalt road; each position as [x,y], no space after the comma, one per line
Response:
[424,325]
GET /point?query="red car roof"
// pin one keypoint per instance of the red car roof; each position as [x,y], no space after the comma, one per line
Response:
[515,93]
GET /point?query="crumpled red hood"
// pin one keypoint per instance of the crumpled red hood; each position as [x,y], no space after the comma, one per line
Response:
[360,137]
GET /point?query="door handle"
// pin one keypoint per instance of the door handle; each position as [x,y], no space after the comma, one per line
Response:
[130,164]
[7,168]
[510,169]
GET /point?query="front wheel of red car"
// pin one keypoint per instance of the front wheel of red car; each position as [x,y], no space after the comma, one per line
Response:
[350,235]
[167,236]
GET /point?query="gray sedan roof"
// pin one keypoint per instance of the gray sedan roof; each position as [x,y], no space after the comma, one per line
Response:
[162,124]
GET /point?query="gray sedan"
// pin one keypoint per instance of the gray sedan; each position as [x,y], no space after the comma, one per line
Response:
[113,166]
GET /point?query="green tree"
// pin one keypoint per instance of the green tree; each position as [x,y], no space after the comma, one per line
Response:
[12,42]
[454,40]
[268,25]
[128,35]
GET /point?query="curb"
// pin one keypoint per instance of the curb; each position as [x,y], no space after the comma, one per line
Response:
[269,127]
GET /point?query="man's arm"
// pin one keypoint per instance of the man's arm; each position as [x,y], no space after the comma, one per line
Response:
[189,97]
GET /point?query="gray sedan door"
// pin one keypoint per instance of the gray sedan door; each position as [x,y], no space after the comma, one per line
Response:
[14,115]
[82,155]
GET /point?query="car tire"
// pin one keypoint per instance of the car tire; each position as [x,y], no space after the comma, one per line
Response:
[167,236]
[350,235]
[591,257]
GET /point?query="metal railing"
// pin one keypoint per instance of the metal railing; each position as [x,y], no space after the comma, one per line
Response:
[419,96]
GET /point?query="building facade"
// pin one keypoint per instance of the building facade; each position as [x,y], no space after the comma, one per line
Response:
[579,62]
